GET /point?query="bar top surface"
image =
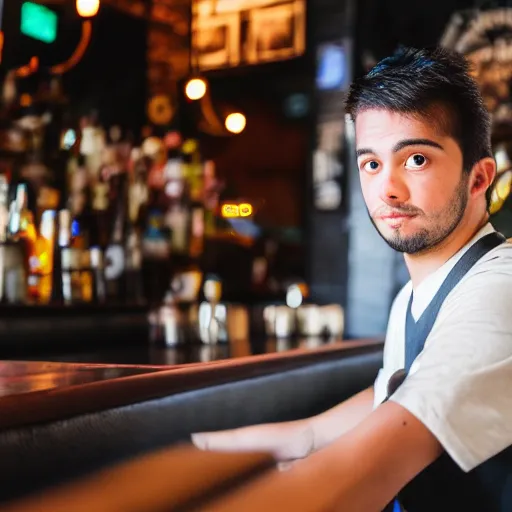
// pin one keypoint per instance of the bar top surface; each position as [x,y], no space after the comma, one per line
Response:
[39,391]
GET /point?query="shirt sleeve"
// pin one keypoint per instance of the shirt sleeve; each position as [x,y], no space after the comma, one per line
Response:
[460,386]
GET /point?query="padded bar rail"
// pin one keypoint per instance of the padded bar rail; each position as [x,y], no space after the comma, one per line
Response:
[66,402]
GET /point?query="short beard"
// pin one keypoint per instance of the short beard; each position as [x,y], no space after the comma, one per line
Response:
[425,240]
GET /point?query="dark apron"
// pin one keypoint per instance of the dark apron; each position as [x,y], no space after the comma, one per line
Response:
[443,486]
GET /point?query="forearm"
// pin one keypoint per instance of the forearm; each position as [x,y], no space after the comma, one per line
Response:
[330,425]
[292,440]
[371,463]
[361,471]
[318,431]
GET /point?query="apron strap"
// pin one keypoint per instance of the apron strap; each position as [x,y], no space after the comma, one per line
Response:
[416,333]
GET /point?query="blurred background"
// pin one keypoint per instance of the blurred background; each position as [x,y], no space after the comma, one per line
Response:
[164,163]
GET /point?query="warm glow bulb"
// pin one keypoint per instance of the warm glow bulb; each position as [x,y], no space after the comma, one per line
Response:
[235,123]
[195,88]
[87,8]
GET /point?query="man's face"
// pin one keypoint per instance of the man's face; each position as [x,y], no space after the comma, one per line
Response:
[412,179]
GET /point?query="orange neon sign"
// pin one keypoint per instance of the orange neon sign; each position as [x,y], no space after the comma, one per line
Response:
[234,210]
[230,211]
[245,210]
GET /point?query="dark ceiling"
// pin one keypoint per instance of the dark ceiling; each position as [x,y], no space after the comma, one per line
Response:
[383,25]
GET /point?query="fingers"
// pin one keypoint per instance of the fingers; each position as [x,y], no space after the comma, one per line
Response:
[253,438]
[283,442]
[227,440]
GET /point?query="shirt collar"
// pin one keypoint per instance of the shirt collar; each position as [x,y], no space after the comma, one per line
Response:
[426,290]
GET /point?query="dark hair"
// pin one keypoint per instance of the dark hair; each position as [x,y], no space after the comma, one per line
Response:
[432,83]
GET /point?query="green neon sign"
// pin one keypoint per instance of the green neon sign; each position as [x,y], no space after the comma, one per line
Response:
[38,22]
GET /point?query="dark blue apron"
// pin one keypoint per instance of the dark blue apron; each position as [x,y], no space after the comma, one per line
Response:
[443,486]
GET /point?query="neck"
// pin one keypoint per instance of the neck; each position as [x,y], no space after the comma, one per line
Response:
[421,265]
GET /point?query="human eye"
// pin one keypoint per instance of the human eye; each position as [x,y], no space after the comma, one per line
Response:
[370,166]
[416,162]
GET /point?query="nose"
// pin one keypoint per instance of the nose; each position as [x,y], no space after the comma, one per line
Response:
[393,188]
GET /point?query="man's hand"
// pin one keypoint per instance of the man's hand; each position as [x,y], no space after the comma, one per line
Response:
[285,441]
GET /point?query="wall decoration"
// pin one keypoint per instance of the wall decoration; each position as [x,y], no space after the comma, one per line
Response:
[160,110]
[276,32]
[485,38]
[226,33]
[216,41]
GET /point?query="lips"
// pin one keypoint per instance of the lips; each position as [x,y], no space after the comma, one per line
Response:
[394,216]
[395,220]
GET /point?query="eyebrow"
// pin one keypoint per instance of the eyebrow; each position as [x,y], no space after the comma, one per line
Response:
[401,145]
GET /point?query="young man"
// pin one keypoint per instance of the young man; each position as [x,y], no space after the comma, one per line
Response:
[441,440]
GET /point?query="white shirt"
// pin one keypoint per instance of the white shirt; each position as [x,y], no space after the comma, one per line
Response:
[460,386]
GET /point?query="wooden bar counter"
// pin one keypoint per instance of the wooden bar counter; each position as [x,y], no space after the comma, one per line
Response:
[62,421]
[33,391]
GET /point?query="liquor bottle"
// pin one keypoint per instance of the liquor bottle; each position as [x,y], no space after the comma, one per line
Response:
[115,254]
[177,216]
[22,225]
[193,170]
[156,257]
[41,273]
[71,277]
[156,236]
[78,187]
[20,247]
[92,144]
[86,277]
[67,280]
[62,240]
[194,176]
[212,190]
[94,187]
[138,192]
[133,275]
[99,288]
[100,218]
[4,221]
[186,220]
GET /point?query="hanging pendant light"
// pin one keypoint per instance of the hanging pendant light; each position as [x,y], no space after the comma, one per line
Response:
[235,122]
[87,8]
[195,89]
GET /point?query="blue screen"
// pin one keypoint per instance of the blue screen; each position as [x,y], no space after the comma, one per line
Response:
[332,67]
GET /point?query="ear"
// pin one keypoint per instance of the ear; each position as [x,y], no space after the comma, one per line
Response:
[482,176]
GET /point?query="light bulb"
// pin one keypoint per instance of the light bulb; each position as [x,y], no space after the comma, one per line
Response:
[195,89]
[87,8]
[294,297]
[235,123]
